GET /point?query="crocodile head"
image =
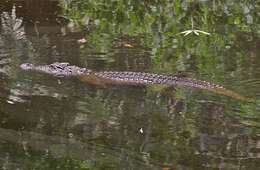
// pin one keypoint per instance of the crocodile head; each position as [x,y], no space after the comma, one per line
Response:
[57,69]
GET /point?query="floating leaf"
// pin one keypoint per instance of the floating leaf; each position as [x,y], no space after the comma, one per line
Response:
[203,32]
[128,45]
[82,40]
[196,33]
[188,32]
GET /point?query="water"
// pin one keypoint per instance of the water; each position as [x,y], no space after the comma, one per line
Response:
[51,122]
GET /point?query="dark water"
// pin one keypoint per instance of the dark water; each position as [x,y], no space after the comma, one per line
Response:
[63,123]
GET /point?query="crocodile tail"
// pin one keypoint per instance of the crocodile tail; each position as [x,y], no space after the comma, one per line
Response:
[205,85]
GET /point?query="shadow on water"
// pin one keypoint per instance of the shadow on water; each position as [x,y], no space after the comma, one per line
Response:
[49,122]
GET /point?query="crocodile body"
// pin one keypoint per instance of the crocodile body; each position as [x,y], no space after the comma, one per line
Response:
[128,78]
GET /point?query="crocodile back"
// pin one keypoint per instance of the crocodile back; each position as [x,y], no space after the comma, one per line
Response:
[151,78]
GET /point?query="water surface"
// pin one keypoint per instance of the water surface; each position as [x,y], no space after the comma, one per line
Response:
[63,123]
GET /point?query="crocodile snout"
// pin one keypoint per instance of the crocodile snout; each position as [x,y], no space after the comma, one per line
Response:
[26,66]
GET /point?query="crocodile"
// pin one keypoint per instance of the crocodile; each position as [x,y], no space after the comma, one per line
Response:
[64,69]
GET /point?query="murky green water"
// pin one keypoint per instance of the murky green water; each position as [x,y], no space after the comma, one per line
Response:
[63,123]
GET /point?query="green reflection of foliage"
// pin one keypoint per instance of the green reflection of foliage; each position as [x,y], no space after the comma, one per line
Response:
[161,21]
[220,57]
[249,115]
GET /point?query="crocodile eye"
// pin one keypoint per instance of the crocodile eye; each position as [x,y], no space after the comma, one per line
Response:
[59,67]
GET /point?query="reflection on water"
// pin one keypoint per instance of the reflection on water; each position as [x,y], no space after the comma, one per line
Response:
[62,123]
